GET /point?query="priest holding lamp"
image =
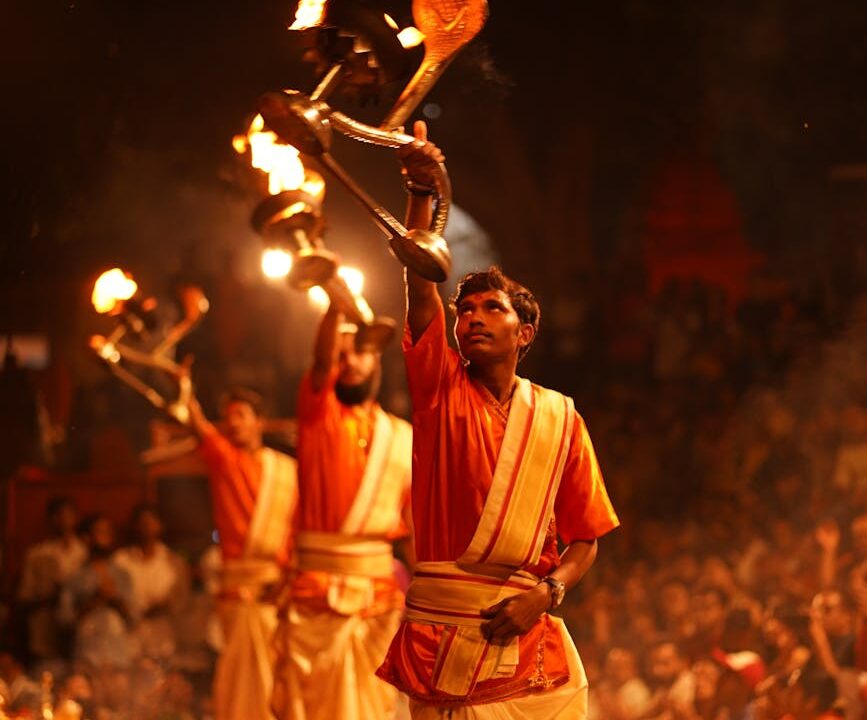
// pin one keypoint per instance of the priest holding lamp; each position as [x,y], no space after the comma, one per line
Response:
[501,468]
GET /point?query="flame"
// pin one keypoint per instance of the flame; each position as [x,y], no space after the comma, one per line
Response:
[318,298]
[310,13]
[111,289]
[410,37]
[354,279]
[279,161]
[276,263]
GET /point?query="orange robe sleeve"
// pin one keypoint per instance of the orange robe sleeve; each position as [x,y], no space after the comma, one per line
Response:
[583,510]
[428,362]
[233,477]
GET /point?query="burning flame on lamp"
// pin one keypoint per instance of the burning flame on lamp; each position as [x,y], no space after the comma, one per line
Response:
[354,279]
[111,289]
[276,263]
[310,13]
[279,161]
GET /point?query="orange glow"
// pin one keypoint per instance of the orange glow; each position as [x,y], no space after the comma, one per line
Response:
[410,37]
[111,289]
[310,13]
[279,161]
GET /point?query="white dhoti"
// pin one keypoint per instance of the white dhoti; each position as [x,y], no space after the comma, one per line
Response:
[244,679]
[327,658]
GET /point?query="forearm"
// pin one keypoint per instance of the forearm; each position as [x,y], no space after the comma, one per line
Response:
[325,349]
[422,296]
[575,561]
[199,424]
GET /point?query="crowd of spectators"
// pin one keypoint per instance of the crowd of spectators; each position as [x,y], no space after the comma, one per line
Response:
[737,455]
[110,630]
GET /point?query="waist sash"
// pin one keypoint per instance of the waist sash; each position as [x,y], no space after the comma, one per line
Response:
[442,593]
[245,578]
[344,554]
[352,564]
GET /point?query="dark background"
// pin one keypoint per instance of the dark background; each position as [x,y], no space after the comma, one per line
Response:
[574,138]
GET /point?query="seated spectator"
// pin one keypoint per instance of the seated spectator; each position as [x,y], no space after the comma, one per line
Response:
[621,694]
[47,566]
[98,600]
[159,583]
[672,681]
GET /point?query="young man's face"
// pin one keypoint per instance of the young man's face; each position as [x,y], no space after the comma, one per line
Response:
[488,329]
[243,426]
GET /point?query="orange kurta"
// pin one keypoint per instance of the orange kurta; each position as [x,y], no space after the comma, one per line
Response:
[235,476]
[333,444]
[456,442]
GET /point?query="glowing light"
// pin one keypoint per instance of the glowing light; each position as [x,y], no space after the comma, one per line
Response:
[111,289]
[310,13]
[354,279]
[390,20]
[279,161]
[318,298]
[276,263]
[410,37]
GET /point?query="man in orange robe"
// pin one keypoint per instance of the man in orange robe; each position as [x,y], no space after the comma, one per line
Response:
[345,604]
[254,492]
[501,468]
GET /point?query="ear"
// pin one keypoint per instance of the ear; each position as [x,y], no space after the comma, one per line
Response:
[526,334]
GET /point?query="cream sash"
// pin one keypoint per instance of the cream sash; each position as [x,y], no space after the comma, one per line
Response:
[529,467]
[377,505]
[441,593]
[352,564]
[343,554]
[275,503]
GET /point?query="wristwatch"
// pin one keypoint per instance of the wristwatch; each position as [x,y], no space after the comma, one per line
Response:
[558,590]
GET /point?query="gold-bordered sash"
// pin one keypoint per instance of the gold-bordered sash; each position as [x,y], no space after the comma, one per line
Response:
[275,503]
[529,467]
[442,593]
[375,511]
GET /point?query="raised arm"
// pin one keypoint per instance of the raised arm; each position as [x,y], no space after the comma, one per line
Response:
[325,349]
[418,161]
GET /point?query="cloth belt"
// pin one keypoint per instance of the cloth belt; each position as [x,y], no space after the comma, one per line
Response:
[245,579]
[344,555]
[442,593]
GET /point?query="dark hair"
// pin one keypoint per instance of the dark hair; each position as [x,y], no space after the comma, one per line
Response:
[246,396]
[523,301]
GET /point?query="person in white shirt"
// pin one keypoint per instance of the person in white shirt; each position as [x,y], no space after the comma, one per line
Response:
[159,583]
[47,566]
